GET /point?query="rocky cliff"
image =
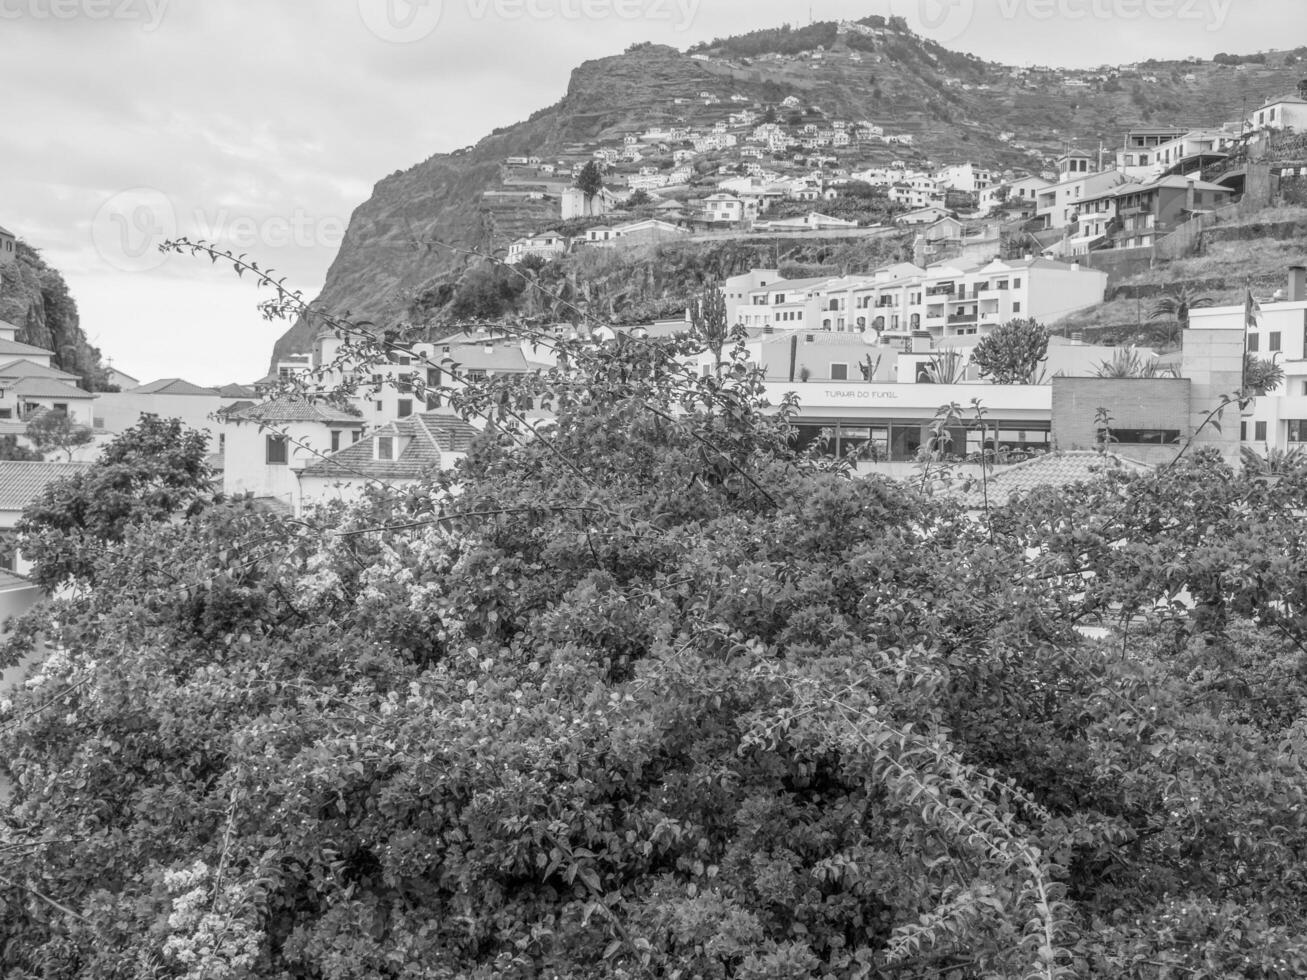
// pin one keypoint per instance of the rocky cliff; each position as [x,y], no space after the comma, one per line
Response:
[957,107]
[35,298]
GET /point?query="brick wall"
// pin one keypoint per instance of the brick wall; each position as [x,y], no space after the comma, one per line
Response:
[1134,403]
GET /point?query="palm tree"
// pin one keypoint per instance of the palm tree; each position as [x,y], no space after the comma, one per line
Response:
[1176,303]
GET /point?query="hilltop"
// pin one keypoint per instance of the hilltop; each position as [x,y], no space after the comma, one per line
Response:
[419,232]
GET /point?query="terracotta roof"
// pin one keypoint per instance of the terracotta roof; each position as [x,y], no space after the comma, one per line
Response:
[1055,469]
[238,391]
[46,388]
[172,386]
[12,348]
[23,368]
[288,408]
[423,441]
[21,482]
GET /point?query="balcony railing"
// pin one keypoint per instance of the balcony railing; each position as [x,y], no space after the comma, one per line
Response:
[964,318]
[940,291]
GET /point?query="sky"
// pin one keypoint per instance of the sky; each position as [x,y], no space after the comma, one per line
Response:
[262,124]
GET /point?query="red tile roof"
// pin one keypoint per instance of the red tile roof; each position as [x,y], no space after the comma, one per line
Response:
[1056,469]
[172,386]
[46,388]
[288,408]
[21,482]
[424,442]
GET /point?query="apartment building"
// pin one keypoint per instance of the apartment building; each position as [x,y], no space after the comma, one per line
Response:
[952,299]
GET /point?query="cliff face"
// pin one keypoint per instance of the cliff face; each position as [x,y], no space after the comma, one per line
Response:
[956,107]
[35,298]
[383,267]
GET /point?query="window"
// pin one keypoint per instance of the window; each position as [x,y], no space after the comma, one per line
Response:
[335,440]
[357,435]
[1243,431]
[839,372]
[385,447]
[61,407]
[1016,283]
[1259,431]
[1298,430]
[276,451]
[379,405]
[405,407]
[1016,307]
[6,413]
[476,375]
[1272,341]
[1141,437]
[1254,343]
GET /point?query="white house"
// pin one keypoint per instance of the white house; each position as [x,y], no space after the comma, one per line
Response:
[266,444]
[1283,112]
[398,454]
[546,245]
[8,244]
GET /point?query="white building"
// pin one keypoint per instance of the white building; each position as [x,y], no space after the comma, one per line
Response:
[267,444]
[1278,419]
[546,245]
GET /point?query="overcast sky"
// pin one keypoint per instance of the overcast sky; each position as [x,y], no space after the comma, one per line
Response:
[264,123]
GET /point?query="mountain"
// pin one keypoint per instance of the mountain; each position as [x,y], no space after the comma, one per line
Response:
[955,106]
[35,298]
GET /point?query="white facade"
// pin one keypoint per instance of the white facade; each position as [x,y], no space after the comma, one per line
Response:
[1278,419]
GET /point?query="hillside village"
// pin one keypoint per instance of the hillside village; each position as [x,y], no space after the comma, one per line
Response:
[988,246]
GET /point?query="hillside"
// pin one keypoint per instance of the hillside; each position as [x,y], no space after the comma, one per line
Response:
[35,298]
[952,106]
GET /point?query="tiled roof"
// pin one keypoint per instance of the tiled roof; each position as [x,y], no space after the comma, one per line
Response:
[6,231]
[23,368]
[172,386]
[20,482]
[288,408]
[1056,469]
[424,440]
[46,388]
[12,348]
[238,391]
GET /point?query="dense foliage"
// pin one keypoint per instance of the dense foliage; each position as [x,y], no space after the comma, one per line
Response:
[651,696]
[1011,354]
[151,472]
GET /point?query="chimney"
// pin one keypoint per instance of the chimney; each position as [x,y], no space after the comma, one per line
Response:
[1297,288]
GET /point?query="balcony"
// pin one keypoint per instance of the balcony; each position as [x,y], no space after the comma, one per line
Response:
[940,291]
[963,318]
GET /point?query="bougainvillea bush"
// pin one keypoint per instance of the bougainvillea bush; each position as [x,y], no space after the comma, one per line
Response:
[649,695]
